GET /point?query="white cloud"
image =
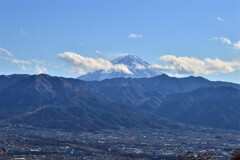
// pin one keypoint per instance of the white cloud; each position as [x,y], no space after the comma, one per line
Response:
[191,65]
[162,67]
[82,65]
[227,41]
[169,63]
[29,64]
[38,61]
[139,66]
[23,67]
[237,45]
[6,52]
[11,58]
[40,69]
[222,39]
[134,35]
[220,19]
[98,52]
[18,61]
[24,64]
[22,32]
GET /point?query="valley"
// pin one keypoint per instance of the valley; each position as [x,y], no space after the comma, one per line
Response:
[146,144]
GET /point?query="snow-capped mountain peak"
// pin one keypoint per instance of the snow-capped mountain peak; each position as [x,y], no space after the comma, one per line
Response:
[137,66]
[130,60]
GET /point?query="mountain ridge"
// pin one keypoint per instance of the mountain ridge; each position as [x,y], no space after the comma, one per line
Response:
[212,106]
[66,103]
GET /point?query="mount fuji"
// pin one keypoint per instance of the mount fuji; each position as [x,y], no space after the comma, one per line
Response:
[137,66]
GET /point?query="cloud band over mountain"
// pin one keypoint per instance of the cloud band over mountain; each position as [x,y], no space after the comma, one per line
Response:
[191,65]
[168,64]
[82,65]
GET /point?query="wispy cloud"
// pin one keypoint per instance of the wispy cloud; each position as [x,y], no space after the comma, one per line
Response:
[225,40]
[40,69]
[82,65]
[191,65]
[22,32]
[8,56]
[18,61]
[222,39]
[24,64]
[220,19]
[38,61]
[6,52]
[23,67]
[237,45]
[98,52]
[134,36]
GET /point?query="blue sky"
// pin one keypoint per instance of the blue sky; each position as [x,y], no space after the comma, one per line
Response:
[169,34]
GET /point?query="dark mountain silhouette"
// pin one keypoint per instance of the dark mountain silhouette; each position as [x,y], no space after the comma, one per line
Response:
[217,107]
[8,80]
[56,102]
[149,93]
[66,103]
[162,84]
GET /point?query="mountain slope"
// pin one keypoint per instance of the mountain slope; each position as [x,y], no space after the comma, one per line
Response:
[214,106]
[162,84]
[56,102]
[65,103]
[8,80]
[172,97]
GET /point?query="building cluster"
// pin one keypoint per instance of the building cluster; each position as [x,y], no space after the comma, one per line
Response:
[16,143]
